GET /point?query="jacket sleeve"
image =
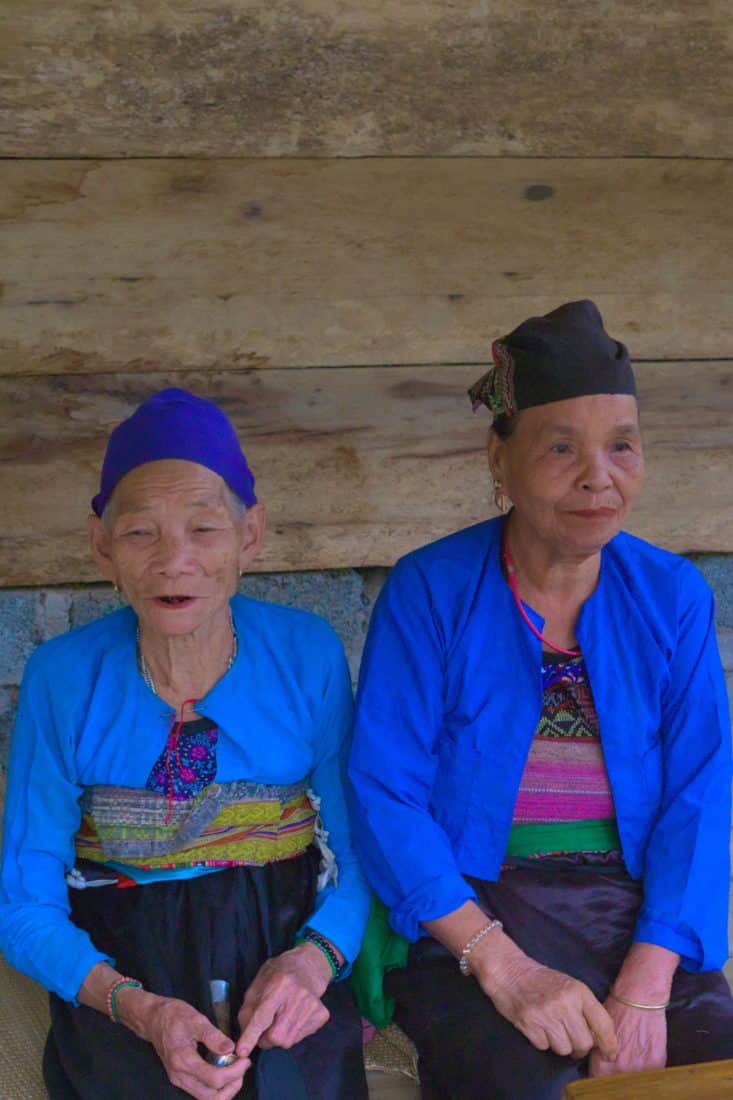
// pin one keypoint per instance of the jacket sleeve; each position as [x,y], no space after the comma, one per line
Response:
[42,815]
[406,854]
[687,866]
[342,908]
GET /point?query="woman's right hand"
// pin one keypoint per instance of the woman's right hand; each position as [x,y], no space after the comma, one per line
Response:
[175,1029]
[554,1011]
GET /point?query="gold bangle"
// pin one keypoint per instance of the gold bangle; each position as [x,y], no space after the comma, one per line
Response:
[636,1004]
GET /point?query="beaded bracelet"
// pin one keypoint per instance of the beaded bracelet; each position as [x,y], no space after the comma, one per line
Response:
[464,960]
[323,945]
[112,992]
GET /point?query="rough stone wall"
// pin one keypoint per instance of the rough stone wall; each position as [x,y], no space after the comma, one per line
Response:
[345,597]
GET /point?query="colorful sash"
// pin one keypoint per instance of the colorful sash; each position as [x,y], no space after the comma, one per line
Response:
[239,823]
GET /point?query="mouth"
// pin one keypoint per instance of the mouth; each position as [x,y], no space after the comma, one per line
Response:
[173,601]
[594,513]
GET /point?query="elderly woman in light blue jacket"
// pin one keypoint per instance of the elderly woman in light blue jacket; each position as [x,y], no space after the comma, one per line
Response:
[169,763]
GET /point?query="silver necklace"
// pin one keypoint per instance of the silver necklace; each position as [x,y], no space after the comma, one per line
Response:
[147,675]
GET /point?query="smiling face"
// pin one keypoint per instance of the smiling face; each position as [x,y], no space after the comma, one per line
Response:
[572,469]
[174,541]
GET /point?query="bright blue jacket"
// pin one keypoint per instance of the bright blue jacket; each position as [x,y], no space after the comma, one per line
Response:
[448,702]
[85,717]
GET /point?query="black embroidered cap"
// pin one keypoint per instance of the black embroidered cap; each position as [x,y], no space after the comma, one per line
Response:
[567,353]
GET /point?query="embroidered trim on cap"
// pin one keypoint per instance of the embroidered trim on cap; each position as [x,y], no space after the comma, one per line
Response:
[495,389]
[502,400]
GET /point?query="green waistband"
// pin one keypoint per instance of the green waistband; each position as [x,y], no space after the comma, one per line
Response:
[596,835]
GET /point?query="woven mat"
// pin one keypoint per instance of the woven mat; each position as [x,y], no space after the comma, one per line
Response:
[390,1051]
[23,1028]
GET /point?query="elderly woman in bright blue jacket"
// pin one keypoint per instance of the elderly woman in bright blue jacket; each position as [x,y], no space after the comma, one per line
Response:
[167,768]
[542,759]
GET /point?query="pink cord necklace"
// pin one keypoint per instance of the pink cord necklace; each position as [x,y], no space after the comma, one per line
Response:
[511,573]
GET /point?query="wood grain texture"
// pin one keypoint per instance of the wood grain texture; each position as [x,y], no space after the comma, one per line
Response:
[356,465]
[373,78]
[709,1081]
[137,266]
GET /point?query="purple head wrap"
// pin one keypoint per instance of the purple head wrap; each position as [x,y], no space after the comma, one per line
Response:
[176,424]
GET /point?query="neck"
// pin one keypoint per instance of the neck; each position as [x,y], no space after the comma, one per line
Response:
[544,570]
[186,666]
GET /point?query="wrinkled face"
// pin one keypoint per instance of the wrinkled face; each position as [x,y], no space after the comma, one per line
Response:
[174,542]
[573,469]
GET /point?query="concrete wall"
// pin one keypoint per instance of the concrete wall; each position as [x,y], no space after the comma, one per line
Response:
[345,597]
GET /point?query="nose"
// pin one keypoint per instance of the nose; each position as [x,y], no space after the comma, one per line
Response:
[595,475]
[171,558]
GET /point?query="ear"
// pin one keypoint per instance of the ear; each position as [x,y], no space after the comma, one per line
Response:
[99,542]
[253,535]
[495,449]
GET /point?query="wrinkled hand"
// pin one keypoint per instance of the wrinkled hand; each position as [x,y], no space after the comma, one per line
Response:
[642,1041]
[283,1004]
[175,1028]
[554,1011]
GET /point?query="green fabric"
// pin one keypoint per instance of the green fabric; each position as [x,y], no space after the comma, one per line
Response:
[595,835]
[381,950]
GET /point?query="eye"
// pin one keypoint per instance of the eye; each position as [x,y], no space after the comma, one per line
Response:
[622,445]
[560,448]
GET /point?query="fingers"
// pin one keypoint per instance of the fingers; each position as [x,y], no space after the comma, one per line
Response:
[254,1019]
[188,1070]
[194,1088]
[561,1014]
[294,1024]
[598,1067]
[187,1062]
[186,1028]
[558,1038]
[212,1038]
[571,1037]
[581,1037]
[536,1036]
[278,1010]
[601,1026]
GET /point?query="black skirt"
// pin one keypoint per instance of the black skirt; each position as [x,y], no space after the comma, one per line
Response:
[578,921]
[177,936]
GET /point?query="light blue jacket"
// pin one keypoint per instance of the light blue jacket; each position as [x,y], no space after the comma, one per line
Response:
[449,698]
[85,717]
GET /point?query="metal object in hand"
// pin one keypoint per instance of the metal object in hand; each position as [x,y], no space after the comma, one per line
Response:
[220,1005]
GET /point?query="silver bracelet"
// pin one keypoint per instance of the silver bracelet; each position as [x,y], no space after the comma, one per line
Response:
[466,953]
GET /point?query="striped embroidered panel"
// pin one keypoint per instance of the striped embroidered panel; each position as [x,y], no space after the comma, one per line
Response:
[565,804]
[226,824]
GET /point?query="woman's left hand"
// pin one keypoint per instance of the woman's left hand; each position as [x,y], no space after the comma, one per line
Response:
[283,1004]
[646,976]
[642,1040]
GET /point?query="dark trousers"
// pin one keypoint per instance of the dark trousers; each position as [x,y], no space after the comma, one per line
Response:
[110,1063]
[578,922]
[175,937]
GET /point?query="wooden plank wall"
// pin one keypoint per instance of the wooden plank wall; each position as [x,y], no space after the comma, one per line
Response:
[321,214]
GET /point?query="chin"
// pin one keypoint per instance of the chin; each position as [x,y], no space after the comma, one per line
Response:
[594,536]
[187,624]
[174,623]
